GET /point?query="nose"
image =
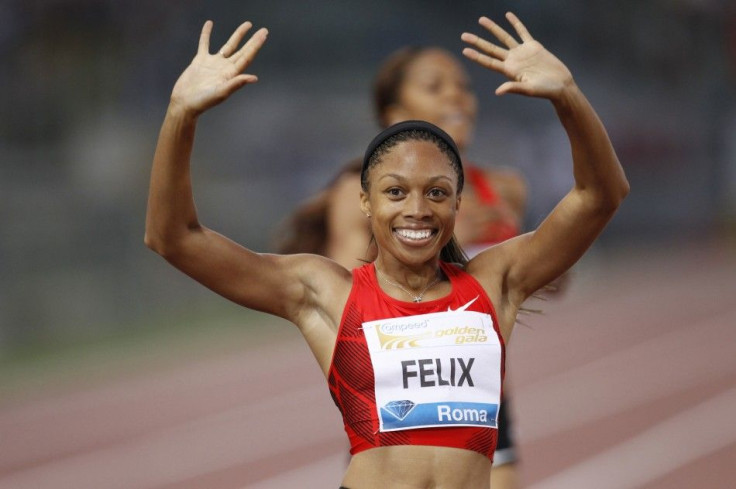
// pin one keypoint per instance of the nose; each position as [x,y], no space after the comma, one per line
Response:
[416,206]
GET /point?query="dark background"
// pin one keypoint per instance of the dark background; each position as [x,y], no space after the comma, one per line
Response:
[85,85]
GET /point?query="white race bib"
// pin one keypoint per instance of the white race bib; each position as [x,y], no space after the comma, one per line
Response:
[438,369]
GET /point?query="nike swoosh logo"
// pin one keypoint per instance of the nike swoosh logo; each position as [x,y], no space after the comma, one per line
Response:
[449,309]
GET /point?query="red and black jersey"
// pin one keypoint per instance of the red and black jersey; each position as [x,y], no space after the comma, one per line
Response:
[351,375]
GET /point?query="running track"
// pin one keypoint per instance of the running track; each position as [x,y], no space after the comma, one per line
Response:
[627,381]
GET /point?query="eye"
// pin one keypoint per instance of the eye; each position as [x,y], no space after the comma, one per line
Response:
[394,193]
[437,193]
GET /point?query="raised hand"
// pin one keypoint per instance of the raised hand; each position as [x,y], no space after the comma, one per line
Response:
[531,69]
[211,78]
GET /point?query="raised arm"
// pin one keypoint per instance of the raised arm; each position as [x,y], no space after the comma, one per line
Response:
[534,259]
[275,284]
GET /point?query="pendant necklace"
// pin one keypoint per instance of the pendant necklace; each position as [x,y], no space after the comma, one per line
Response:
[414,298]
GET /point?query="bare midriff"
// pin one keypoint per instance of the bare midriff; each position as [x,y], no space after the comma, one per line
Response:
[416,467]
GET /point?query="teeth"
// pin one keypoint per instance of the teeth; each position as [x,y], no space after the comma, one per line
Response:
[412,234]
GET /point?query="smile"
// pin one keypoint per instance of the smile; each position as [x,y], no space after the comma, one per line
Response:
[414,234]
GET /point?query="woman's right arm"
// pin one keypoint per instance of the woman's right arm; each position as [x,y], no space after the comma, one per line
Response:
[279,285]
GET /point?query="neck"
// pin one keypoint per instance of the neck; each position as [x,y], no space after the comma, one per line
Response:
[414,295]
[414,276]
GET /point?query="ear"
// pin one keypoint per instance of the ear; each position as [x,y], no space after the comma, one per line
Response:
[457,203]
[365,203]
[394,114]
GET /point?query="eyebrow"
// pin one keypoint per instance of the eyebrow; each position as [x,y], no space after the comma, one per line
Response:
[403,179]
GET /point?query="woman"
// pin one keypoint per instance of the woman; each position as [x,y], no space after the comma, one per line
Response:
[425,416]
[430,84]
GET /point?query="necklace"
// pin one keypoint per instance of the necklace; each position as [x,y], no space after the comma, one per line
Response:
[414,298]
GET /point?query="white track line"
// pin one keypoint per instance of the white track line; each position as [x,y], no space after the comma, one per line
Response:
[666,446]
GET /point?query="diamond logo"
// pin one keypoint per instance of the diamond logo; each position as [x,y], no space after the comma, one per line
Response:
[400,409]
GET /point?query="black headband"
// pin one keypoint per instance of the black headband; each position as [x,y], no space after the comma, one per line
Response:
[405,127]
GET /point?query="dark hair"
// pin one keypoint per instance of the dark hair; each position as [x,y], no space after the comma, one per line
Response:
[411,131]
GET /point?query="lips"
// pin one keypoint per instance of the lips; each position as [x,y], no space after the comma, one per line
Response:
[414,236]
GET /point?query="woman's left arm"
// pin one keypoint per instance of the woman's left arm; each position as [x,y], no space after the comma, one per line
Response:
[534,259]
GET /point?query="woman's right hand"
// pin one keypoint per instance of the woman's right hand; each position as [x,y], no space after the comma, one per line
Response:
[211,78]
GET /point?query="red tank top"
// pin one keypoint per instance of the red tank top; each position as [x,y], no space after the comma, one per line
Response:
[500,229]
[351,376]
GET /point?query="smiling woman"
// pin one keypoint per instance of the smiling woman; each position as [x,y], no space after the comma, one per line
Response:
[431,84]
[413,191]
[407,389]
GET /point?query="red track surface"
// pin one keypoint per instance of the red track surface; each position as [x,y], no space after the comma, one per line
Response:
[627,381]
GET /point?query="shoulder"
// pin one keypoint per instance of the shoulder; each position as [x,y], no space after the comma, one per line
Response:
[313,280]
[316,272]
[492,266]
[319,288]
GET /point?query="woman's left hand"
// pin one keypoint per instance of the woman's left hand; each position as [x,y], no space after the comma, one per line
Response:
[531,69]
